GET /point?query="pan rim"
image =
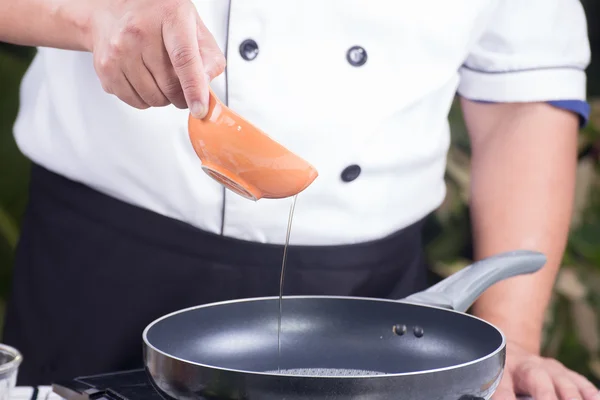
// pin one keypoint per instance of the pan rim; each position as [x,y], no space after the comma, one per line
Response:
[500,348]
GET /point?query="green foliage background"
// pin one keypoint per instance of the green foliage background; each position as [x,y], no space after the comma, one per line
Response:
[573,329]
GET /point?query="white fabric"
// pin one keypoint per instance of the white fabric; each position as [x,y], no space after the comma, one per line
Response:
[26,393]
[21,393]
[531,51]
[389,116]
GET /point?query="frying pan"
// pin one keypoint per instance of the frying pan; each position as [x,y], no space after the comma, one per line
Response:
[424,347]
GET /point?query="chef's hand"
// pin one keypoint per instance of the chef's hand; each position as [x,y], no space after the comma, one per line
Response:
[541,378]
[152,53]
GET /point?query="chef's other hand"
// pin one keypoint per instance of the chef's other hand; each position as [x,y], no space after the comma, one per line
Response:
[152,53]
[541,378]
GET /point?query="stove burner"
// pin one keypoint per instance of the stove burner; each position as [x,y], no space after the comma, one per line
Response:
[126,385]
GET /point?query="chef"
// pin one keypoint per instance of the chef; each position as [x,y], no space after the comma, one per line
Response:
[123,225]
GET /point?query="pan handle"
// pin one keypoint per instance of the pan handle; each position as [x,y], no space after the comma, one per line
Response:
[460,290]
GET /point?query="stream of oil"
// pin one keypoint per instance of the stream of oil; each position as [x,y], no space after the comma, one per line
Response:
[281,279]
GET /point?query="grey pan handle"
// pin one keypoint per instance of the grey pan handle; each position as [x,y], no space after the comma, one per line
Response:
[460,290]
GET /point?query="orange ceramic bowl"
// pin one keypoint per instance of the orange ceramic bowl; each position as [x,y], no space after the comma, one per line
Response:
[243,158]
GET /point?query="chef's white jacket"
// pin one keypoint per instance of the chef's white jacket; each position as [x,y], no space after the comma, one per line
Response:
[361,89]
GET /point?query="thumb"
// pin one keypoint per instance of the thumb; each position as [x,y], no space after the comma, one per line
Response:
[506,389]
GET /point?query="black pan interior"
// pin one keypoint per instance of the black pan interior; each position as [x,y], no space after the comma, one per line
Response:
[324,333]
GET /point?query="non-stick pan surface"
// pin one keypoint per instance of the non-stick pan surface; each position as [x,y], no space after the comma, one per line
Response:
[331,333]
[337,347]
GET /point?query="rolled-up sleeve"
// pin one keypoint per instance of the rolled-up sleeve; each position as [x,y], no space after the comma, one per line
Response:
[531,50]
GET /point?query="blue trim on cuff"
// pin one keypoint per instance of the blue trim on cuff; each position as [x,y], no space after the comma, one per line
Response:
[512,71]
[580,107]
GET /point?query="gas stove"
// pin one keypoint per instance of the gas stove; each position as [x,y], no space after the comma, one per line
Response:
[126,385]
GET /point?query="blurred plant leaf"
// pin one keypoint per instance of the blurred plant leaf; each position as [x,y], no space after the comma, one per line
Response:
[594,117]
[14,166]
[586,325]
[556,325]
[585,242]
[585,180]
[444,270]
[594,365]
[452,241]
[452,206]
[460,136]
[9,230]
[590,135]
[569,285]
[24,53]
[458,171]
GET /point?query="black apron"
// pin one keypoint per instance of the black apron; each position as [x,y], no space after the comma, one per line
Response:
[91,272]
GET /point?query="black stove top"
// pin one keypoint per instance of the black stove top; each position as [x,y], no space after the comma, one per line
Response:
[126,385]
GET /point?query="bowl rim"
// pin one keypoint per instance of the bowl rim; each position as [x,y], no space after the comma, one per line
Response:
[12,364]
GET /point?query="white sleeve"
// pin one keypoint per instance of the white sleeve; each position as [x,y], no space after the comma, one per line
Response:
[532,50]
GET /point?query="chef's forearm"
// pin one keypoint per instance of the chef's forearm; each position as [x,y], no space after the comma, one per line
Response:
[60,24]
[523,177]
